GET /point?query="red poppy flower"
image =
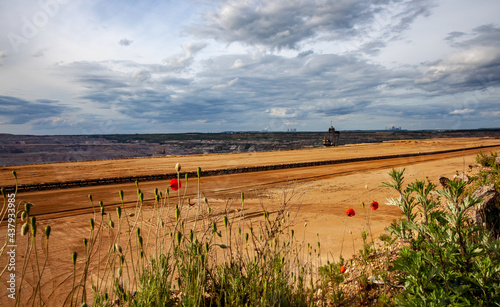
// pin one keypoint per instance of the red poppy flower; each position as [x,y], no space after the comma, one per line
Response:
[342,269]
[374,205]
[350,212]
[175,184]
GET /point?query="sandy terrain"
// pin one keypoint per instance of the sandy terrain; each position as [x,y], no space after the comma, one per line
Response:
[321,193]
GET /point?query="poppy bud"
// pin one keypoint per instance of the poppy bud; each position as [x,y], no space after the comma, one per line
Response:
[47,232]
[27,207]
[118,248]
[177,213]
[198,172]
[73,257]
[119,212]
[33,226]
[121,194]
[178,167]
[24,229]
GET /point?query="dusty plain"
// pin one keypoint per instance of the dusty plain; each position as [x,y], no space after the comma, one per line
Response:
[321,194]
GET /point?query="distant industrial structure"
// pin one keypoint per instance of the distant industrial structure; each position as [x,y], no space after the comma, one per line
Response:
[394,128]
[332,138]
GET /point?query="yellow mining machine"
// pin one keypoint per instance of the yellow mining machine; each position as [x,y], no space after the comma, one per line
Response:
[332,138]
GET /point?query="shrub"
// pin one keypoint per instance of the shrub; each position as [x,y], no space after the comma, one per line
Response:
[447,261]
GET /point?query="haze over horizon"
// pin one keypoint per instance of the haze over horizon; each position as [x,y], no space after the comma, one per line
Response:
[119,67]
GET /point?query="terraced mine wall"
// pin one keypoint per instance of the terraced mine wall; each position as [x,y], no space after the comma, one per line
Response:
[157,177]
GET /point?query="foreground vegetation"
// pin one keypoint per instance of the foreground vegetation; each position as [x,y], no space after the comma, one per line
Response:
[183,253]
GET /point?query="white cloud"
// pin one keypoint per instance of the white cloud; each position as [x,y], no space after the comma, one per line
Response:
[462,111]
[182,61]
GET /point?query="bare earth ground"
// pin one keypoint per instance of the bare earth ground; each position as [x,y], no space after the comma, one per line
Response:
[321,194]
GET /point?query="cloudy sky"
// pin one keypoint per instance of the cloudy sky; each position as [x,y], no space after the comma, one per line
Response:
[123,66]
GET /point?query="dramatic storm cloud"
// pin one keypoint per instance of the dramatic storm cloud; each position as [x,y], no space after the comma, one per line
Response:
[83,67]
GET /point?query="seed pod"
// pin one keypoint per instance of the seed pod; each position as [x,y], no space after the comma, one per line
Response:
[24,215]
[25,228]
[47,232]
[92,224]
[140,241]
[292,232]
[186,177]
[85,241]
[178,237]
[138,231]
[178,167]
[246,237]
[90,197]
[101,204]
[141,197]
[73,257]
[121,195]
[155,191]
[225,221]
[242,197]
[15,174]
[119,212]
[198,172]
[111,224]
